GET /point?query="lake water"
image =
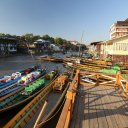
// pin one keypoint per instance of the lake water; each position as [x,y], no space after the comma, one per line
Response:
[18,63]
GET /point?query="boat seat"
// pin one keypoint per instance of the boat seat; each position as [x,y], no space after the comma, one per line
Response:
[35,84]
[29,90]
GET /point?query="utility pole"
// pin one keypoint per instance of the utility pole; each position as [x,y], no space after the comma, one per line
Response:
[81,42]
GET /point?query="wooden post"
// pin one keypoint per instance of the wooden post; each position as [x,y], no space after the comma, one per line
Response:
[118,79]
[127,87]
[78,77]
[41,112]
[97,79]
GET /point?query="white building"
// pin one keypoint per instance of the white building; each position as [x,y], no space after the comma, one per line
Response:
[117,48]
[119,29]
[54,47]
[74,42]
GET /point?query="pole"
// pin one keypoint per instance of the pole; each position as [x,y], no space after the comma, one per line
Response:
[81,42]
[41,112]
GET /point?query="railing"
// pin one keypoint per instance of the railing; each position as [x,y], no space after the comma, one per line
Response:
[91,78]
[120,81]
[66,113]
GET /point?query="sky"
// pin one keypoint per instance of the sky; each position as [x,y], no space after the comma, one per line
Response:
[85,21]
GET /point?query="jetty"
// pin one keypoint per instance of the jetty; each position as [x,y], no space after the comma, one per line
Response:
[99,104]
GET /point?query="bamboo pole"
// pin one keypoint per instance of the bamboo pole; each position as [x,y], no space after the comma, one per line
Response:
[41,112]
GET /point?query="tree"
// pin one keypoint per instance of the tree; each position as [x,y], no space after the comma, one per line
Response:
[46,37]
[2,34]
[35,37]
[83,47]
[28,37]
[59,41]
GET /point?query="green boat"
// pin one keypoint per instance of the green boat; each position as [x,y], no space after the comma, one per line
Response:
[114,69]
[44,107]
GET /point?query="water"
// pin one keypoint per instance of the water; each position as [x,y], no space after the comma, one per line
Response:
[18,63]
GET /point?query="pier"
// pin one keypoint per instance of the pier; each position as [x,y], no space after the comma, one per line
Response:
[93,105]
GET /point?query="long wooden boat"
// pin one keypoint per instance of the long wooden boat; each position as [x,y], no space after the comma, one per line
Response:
[43,107]
[24,95]
[14,77]
[26,79]
[51,58]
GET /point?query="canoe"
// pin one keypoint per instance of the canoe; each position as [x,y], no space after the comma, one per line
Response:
[31,115]
[18,98]
[14,77]
[51,58]
[26,79]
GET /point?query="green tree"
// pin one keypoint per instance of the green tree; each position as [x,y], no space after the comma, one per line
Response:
[28,37]
[59,41]
[83,47]
[46,37]
[35,37]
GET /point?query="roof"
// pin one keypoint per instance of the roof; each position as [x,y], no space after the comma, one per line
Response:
[122,23]
[42,41]
[114,39]
[7,38]
[95,43]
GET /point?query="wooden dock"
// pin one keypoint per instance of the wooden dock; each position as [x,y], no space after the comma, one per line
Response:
[99,107]
[95,104]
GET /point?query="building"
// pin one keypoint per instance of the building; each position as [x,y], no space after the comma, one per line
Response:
[8,46]
[74,42]
[118,29]
[39,46]
[94,48]
[54,47]
[116,48]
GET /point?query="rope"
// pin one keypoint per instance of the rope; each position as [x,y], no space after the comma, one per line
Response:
[55,113]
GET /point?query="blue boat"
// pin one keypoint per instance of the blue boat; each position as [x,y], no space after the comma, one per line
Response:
[14,77]
[24,80]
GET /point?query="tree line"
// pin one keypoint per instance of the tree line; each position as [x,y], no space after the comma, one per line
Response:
[30,37]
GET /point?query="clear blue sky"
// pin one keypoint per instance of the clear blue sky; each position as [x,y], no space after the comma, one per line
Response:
[67,19]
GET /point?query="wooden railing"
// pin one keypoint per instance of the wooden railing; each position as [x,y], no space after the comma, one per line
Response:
[121,81]
[91,78]
[66,113]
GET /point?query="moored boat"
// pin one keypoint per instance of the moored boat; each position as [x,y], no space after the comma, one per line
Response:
[31,115]
[18,98]
[14,77]
[26,79]
[51,58]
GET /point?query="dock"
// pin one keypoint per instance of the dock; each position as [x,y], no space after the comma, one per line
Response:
[96,104]
[99,107]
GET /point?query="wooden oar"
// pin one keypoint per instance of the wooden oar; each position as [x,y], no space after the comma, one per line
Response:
[41,112]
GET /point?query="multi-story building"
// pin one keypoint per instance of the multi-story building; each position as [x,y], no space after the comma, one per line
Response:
[119,29]
[8,45]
